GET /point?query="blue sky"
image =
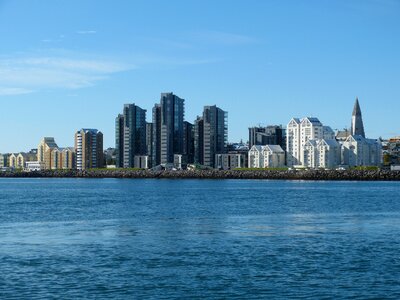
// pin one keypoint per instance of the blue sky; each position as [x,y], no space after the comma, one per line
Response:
[65,65]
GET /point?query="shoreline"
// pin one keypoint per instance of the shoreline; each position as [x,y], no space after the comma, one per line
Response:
[335,175]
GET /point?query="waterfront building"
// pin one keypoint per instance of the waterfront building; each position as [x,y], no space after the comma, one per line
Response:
[45,151]
[156,136]
[18,160]
[56,159]
[293,144]
[215,134]
[119,139]
[89,149]
[130,135]
[141,161]
[4,158]
[311,144]
[149,142]
[34,166]
[391,155]
[321,153]
[179,162]
[310,128]
[267,156]
[199,140]
[12,160]
[188,142]
[359,151]
[68,160]
[172,115]
[230,161]
[269,135]
[357,125]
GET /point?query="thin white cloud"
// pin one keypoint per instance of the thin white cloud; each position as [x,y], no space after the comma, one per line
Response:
[60,38]
[25,75]
[86,32]
[10,91]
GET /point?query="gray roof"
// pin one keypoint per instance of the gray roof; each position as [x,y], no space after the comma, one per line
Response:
[356,137]
[275,148]
[313,142]
[257,147]
[332,143]
[297,120]
[313,120]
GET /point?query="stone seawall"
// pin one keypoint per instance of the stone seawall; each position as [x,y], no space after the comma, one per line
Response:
[215,174]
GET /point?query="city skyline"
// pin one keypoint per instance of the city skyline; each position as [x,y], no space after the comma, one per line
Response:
[60,62]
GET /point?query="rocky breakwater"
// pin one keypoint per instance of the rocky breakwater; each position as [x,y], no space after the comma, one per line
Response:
[215,174]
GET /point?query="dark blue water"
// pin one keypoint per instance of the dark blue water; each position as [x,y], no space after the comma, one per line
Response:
[196,239]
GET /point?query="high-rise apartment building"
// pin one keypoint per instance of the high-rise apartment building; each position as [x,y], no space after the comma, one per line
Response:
[188,142]
[293,142]
[130,135]
[210,135]
[299,133]
[215,134]
[269,135]
[45,151]
[149,142]
[172,115]
[89,149]
[199,140]
[119,139]
[156,136]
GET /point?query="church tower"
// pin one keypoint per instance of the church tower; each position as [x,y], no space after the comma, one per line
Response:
[357,126]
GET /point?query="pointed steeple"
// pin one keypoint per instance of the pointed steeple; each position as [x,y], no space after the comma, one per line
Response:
[357,126]
[356,109]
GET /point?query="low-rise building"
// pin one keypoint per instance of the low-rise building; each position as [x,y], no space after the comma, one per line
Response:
[141,161]
[18,160]
[31,166]
[4,160]
[359,151]
[230,161]
[391,152]
[268,156]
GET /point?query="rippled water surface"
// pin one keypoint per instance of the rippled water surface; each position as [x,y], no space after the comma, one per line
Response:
[196,239]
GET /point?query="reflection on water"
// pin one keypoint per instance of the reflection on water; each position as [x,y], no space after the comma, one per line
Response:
[71,238]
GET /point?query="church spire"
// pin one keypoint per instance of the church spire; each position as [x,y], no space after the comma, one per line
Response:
[357,126]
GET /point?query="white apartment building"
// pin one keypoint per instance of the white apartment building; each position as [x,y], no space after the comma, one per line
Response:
[329,153]
[321,153]
[298,133]
[268,156]
[293,142]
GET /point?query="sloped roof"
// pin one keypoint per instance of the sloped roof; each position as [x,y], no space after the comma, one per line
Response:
[312,142]
[357,138]
[312,120]
[274,148]
[296,120]
[256,147]
[329,142]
